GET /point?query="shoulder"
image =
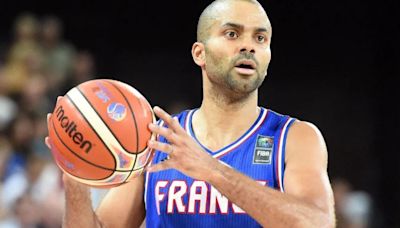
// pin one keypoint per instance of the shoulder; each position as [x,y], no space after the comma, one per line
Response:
[305,142]
[304,130]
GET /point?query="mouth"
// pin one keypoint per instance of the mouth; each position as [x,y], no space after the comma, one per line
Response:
[245,67]
[246,64]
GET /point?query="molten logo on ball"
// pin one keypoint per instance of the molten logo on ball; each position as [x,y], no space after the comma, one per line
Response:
[71,130]
[116,111]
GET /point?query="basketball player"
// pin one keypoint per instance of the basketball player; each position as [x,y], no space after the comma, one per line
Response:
[229,163]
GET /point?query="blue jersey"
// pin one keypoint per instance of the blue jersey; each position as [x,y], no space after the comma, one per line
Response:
[175,200]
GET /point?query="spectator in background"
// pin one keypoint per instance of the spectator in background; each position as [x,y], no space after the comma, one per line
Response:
[34,97]
[8,110]
[21,138]
[5,152]
[24,57]
[21,134]
[37,186]
[83,69]
[8,106]
[40,131]
[353,208]
[33,64]
[24,214]
[58,54]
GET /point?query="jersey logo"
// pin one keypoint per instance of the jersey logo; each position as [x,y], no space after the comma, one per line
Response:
[263,150]
[198,197]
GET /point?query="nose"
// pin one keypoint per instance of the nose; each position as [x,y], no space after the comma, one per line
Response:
[247,50]
[247,46]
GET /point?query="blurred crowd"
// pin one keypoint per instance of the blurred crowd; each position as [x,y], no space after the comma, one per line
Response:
[36,66]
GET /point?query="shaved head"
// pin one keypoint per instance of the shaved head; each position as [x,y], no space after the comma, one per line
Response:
[211,13]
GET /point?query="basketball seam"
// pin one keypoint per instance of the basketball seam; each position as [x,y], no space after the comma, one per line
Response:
[108,126]
[136,129]
[105,145]
[133,114]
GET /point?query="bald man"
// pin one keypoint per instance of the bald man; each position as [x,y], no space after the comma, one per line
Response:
[230,162]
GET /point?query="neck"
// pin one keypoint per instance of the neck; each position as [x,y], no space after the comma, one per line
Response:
[220,122]
[224,109]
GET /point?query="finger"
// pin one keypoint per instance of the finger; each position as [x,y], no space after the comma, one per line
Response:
[163,147]
[177,126]
[159,166]
[163,115]
[47,141]
[163,131]
[58,99]
[48,117]
[173,123]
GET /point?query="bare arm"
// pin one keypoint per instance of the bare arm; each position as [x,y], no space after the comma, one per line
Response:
[123,206]
[78,206]
[116,209]
[308,200]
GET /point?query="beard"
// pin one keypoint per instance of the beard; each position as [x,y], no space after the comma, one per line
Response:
[224,78]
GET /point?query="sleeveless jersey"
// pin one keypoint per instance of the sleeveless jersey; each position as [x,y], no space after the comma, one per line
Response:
[173,199]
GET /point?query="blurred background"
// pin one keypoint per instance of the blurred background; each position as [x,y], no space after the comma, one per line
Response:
[334,63]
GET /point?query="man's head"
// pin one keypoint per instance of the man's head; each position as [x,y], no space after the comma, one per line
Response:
[233,45]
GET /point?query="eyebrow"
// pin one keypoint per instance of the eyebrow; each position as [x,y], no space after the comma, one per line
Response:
[241,27]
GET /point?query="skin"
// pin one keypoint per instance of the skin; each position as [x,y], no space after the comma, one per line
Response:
[230,94]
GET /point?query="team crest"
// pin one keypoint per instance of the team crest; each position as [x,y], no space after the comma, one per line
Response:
[263,150]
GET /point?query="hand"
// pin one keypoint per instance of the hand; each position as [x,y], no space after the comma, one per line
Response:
[68,181]
[184,153]
[47,139]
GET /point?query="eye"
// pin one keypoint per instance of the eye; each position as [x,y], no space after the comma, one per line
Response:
[231,34]
[261,38]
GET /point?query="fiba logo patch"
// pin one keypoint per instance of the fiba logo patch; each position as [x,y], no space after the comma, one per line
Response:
[116,111]
[263,150]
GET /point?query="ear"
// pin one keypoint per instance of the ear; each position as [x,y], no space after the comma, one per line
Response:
[198,54]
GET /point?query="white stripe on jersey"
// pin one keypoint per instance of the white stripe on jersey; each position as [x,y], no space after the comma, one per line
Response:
[280,151]
[237,143]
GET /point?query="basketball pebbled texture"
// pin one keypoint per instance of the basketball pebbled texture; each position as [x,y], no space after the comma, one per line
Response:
[99,132]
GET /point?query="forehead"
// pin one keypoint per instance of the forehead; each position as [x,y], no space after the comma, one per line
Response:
[240,12]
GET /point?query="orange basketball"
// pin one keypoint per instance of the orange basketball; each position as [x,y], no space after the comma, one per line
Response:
[98,133]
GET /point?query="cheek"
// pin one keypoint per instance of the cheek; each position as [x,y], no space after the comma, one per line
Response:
[215,58]
[219,49]
[266,57]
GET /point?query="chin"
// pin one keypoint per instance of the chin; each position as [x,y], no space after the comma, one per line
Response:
[245,85]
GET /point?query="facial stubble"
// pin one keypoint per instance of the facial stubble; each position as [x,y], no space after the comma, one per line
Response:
[227,81]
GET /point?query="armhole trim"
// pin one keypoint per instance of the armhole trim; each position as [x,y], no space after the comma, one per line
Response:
[281,153]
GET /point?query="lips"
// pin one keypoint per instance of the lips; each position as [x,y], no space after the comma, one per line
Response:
[245,67]
[246,64]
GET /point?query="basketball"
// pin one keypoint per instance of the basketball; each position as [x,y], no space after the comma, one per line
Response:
[99,133]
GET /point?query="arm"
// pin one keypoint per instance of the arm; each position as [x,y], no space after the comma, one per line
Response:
[308,200]
[122,206]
